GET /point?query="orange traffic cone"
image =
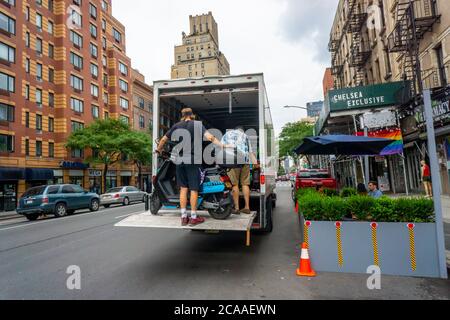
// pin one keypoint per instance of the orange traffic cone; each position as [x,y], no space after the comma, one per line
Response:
[305,269]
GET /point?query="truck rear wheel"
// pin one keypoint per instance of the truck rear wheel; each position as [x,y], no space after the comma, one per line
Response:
[269,222]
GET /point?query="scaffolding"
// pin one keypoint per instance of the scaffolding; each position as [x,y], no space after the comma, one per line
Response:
[414,18]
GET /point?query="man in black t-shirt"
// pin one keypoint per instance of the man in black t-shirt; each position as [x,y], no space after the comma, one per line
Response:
[190,134]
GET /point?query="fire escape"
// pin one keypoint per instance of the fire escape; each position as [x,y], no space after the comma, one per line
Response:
[337,65]
[360,50]
[414,18]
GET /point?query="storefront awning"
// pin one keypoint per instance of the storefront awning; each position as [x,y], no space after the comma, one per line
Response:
[11,174]
[39,174]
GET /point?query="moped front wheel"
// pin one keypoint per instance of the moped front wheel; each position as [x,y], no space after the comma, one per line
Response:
[221,213]
[155,204]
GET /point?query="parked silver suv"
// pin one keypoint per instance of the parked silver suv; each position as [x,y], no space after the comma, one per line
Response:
[122,195]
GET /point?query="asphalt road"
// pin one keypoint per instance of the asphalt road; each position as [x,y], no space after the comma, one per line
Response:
[122,263]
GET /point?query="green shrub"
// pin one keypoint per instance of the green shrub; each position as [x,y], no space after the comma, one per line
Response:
[383,210]
[414,210]
[335,209]
[327,207]
[330,193]
[361,206]
[311,206]
[348,192]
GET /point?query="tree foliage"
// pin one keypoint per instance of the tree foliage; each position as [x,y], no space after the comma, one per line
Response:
[110,140]
[291,137]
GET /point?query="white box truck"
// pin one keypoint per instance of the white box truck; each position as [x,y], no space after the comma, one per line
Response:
[224,103]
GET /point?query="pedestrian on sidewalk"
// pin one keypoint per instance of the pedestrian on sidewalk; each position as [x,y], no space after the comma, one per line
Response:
[426,179]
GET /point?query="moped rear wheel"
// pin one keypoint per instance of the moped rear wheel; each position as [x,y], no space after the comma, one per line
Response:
[221,213]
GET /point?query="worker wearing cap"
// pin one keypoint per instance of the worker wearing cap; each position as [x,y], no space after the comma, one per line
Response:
[188,168]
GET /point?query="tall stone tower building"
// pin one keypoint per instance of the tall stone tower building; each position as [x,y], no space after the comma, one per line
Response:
[199,55]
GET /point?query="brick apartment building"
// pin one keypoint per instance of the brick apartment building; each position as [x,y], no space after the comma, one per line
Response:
[63,64]
[143,115]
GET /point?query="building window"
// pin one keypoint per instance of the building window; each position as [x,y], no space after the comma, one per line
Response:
[94,90]
[123,69]
[124,103]
[142,122]
[7,82]
[51,75]
[94,50]
[117,36]
[27,147]
[104,60]
[93,30]
[51,99]
[39,21]
[51,150]
[76,83]
[77,126]
[51,124]
[103,24]
[76,61]
[38,148]
[95,112]
[76,39]
[77,153]
[141,102]
[39,46]
[76,105]
[77,19]
[6,112]
[104,5]
[94,70]
[6,143]
[123,85]
[7,53]
[39,71]
[39,97]
[125,119]
[27,119]
[50,27]
[93,11]
[39,122]
[27,39]
[106,115]
[51,51]
[27,65]
[7,24]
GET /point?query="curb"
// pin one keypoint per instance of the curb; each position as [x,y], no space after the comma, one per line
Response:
[10,217]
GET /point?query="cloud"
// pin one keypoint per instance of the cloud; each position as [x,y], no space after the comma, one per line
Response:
[310,22]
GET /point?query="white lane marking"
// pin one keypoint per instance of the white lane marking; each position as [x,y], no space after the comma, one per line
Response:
[55,219]
[126,215]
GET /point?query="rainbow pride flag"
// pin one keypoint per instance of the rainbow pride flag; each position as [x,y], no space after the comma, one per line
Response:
[393,134]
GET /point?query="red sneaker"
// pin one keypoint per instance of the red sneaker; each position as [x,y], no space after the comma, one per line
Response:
[197,221]
[184,222]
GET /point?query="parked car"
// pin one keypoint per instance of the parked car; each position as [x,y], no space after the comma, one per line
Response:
[313,178]
[122,195]
[59,200]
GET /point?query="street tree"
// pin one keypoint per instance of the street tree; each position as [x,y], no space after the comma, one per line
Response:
[106,139]
[138,149]
[291,137]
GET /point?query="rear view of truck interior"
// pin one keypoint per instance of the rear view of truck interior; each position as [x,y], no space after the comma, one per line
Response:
[221,108]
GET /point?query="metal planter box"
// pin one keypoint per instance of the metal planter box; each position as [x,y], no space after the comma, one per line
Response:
[401,249]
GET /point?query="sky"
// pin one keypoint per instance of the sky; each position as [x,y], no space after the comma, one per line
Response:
[287,40]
